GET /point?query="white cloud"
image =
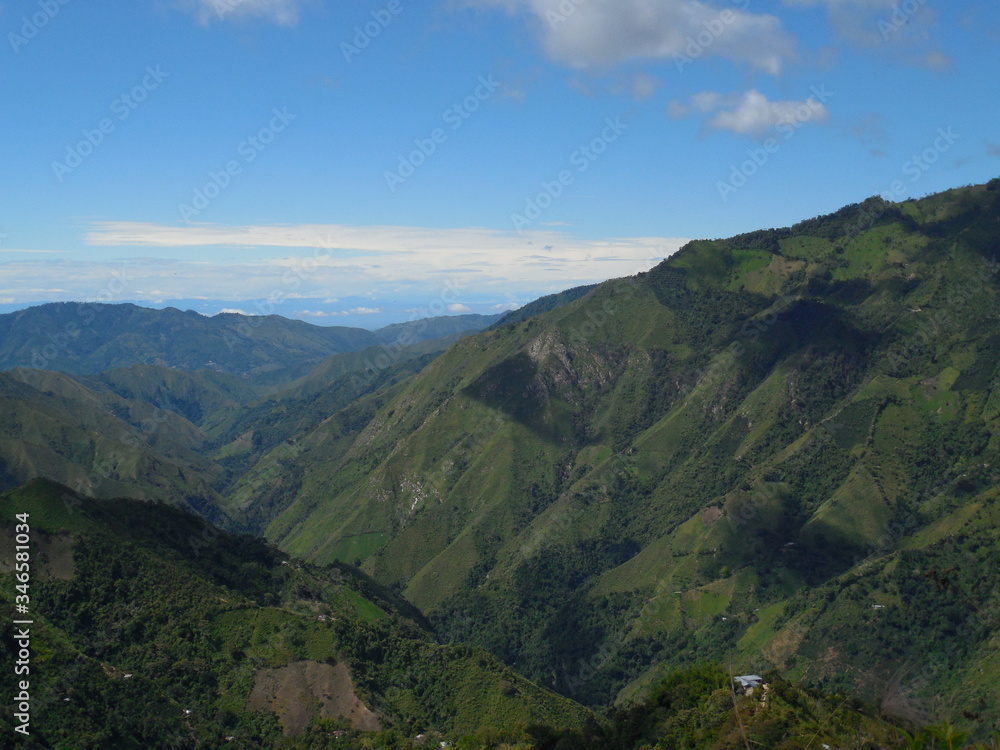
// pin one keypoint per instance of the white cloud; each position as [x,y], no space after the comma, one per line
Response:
[935,60]
[459,308]
[234,311]
[259,268]
[677,110]
[706,101]
[596,33]
[281,12]
[750,113]
[340,313]
[32,290]
[351,257]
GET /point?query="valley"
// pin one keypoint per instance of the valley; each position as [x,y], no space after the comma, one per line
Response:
[773,454]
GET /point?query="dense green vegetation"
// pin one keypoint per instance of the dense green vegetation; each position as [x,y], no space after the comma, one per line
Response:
[141,429]
[85,338]
[153,629]
[752,452]
[101,443]
[776,451]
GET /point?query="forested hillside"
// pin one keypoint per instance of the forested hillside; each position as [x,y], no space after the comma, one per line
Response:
[154,629]
[775,452]
[761,451]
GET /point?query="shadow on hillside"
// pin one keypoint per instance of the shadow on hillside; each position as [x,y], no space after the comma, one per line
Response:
[513,388]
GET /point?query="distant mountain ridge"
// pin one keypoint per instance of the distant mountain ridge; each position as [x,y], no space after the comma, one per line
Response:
[88,338]
[86,436]
[172,435]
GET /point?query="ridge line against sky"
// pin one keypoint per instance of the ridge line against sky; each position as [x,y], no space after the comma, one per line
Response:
[348,161]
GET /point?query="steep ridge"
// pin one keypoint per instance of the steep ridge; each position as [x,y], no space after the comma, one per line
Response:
[544,304]
[756,450]
[261,444]
[426,329]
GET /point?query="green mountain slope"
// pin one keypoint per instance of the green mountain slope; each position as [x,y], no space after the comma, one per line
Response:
[153,629]
[145,428]
[93,440]
[755,450]
[195,396]
[699,708]
[267,446]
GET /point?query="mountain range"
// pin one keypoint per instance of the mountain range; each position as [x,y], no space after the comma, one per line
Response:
[90,337]
[776,451]
[754,451]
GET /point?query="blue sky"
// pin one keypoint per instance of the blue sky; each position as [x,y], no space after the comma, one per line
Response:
[364,163]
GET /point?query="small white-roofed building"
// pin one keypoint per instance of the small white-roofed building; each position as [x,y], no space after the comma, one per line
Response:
[748,681]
